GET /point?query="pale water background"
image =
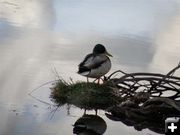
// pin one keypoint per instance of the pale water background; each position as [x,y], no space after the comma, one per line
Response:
[37,36]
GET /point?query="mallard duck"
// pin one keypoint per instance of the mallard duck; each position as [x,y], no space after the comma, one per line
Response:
[95,64]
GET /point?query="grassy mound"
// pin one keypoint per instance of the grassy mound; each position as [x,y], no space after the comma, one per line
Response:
[84,95]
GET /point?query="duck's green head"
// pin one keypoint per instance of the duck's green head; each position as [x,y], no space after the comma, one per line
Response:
[100,49]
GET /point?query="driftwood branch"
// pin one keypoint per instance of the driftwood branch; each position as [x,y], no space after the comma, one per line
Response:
[148,98]
[153,83]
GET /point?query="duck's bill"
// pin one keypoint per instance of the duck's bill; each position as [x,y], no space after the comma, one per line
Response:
[108,54]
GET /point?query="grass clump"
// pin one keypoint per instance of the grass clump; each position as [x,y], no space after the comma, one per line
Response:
[84,95]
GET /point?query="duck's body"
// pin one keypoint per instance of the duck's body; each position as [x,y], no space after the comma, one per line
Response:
[96,64]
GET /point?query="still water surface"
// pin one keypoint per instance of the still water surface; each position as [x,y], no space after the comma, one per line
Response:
[39,36]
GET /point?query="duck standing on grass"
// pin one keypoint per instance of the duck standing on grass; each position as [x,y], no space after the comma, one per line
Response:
[95,64]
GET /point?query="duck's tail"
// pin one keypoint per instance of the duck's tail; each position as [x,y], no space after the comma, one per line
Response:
[83,71]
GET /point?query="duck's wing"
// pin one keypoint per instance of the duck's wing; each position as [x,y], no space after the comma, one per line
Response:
[82,68]
[92,61]
[86,59]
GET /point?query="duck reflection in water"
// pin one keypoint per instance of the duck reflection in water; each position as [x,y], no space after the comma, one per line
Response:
[89,125]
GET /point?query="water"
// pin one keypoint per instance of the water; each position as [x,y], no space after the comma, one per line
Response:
[39,36]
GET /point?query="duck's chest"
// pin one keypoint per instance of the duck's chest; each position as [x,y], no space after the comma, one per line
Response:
[101,70]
